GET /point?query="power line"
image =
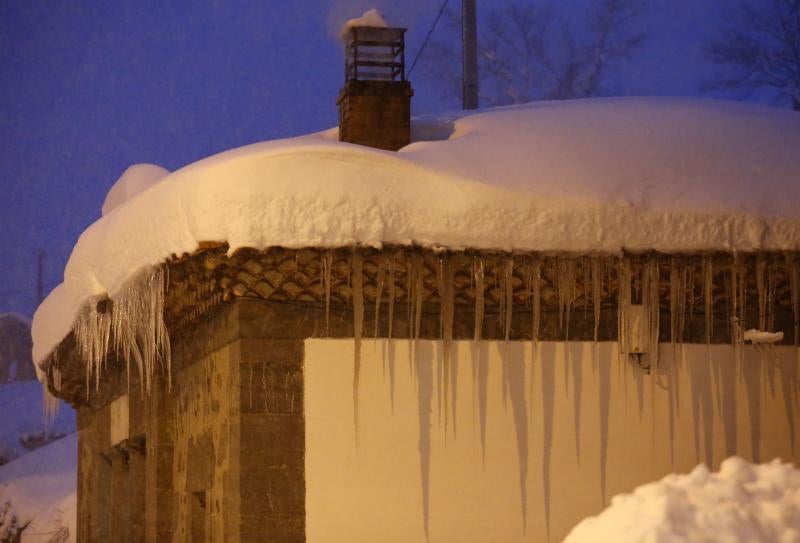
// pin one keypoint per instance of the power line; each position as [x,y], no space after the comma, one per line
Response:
[428,37]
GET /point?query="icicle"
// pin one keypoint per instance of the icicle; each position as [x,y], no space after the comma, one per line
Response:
[358,328]
[736,322]
[134,318]
[419,294]
[50,403]
[441,389]
[479,302]
[447,311]
[535,292]
[772,285]
[650,300]
[565,287]
[92,330]
[410,297]
[477,280]
[623,305]
[536,300]
[379,279]
[708,296]
[690,272]
[675,297]
[327,263]
[415,294]
[410,294]
[587,281]
[762,294]
[508,295]
[391,295]
[597,292]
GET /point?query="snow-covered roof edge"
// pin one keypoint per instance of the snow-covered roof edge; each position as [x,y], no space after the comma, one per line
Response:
[315,192]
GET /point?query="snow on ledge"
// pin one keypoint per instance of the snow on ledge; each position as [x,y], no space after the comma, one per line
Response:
[371,17]
[591,176]
[762,337]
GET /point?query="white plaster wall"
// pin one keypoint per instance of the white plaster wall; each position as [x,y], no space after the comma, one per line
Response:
[581,425]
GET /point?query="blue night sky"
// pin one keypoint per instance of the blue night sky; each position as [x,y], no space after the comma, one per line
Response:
[88,88]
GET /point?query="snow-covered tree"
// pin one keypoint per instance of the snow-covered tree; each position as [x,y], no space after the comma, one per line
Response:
[10,527]
[530,51]
[758,49]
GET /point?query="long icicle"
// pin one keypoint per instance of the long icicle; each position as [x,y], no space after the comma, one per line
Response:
[132,324]
[535,281]
[708,304]
[478,363]
[358,328]
[675,296]
[772,286]
[736,323]
[392,295]
[565,286]
[708,297]
[479,300]
[597,293]
[440,371]
[447,308]
[508,294]
[327,263]
[761,288]
[379,284]
[623,305]
[651,299]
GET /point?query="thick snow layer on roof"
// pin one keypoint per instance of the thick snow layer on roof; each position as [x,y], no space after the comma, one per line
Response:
[584,176]
[741,502]
[134,179]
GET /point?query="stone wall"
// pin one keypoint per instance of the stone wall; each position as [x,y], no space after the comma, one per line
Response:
[216,450]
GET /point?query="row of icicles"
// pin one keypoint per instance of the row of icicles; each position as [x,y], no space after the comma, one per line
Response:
[131,324]
[597,271]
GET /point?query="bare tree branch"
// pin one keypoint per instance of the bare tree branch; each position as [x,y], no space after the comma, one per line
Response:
[531,51]
[758,49]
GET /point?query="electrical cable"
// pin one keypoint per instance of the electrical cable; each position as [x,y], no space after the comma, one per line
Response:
[428,37]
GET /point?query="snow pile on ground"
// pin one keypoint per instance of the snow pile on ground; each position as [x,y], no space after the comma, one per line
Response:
[583,176]
[41,490]
[22,421]
[740,503]
[134,179]
[371,17]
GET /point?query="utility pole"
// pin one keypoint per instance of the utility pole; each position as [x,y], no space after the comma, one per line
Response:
[40,277]
[469,47]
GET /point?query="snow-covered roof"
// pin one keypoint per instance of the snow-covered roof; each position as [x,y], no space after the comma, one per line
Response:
[608,175]
[135,179]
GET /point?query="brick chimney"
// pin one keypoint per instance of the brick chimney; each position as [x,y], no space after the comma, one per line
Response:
[375,102]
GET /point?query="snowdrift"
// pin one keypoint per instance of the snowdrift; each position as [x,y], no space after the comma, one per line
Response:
[739,503]
[41,489]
